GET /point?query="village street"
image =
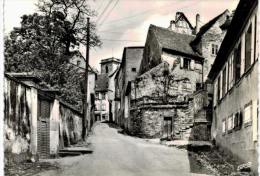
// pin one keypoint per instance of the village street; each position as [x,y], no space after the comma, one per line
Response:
[117,154]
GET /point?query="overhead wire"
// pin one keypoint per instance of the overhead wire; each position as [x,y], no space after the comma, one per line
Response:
[104,19]
[104,11]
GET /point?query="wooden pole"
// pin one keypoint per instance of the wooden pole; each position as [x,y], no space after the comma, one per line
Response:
[85,116]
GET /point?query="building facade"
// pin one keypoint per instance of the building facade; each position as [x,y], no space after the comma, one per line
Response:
[235,78]
[126,73]
[105,90]
[161,96]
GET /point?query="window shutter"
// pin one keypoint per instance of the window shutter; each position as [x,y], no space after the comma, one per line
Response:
[192,65]
[255,123]
[181,60]
[240,120]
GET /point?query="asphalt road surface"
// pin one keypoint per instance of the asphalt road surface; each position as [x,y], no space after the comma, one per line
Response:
[115,154]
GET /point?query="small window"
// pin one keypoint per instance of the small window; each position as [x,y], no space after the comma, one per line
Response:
[224,126]
[230,125]
[103,107]
[186,63]
[248,113]
[103,96]
[106,69]
[78,63]
[133,69]
[214,49]
[97,96]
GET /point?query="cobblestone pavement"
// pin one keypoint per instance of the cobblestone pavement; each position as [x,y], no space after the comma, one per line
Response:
[116,154]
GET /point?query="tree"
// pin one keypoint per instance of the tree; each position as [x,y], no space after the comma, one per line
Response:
[45,42]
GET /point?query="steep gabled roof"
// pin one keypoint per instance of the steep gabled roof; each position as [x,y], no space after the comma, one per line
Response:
[242,14]
[171,40]
[204,29]
[180,16]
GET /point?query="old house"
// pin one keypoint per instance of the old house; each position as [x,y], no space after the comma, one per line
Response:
[181,24]
[126,73]
[36,122]
[209,38]
[161,97]
[234,75]
[105,90]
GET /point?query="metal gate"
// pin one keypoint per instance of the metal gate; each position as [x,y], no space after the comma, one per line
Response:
[43,128]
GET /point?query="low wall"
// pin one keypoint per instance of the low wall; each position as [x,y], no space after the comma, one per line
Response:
[17,118]
[71,126]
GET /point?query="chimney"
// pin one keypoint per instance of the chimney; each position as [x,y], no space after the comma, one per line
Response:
[177,15]
[197,27]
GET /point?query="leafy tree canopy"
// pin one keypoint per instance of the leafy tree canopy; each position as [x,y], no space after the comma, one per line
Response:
[45,42]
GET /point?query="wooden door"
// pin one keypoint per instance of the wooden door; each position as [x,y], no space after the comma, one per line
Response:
[167,127]
[43,128]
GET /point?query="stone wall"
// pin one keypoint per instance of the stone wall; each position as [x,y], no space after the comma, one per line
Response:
[20,121]
[19,134]
[70,126]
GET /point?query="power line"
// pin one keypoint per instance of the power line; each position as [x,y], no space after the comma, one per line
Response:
[104,10]
[100,5]
[115,40]
[144,12]
[104,19]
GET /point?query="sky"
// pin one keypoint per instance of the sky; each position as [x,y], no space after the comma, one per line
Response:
[125,22]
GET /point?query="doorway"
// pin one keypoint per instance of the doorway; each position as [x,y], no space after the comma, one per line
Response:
[43,128]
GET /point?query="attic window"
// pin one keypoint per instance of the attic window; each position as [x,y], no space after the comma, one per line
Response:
[78,63]
[214,49]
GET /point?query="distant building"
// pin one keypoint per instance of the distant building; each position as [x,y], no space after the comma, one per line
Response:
[235,78]
[126,73]
[181,24]
[170,73]
[105,90]
[209,38]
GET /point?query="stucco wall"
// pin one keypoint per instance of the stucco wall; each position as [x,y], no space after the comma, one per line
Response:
[239,142]
[20,120]
[70,126]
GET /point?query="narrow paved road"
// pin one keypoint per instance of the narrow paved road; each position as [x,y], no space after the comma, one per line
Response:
[120,155]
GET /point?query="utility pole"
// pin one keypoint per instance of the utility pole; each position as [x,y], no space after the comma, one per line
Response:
[85,115]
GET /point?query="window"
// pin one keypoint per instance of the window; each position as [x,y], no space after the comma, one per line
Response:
[78,63]
[186,63]
[248,113]
[106,69]
[133,69]
[103,96]
[218,92]
[231,72]
[224,126]
[248,47]
[214,49]
[237,62]
[103,107]
[97,96]
[230,124]
[224,82]
[238,117]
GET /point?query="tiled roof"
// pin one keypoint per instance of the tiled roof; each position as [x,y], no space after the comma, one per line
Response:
[102,83]
[242,14]
[171,40]
[203,30]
